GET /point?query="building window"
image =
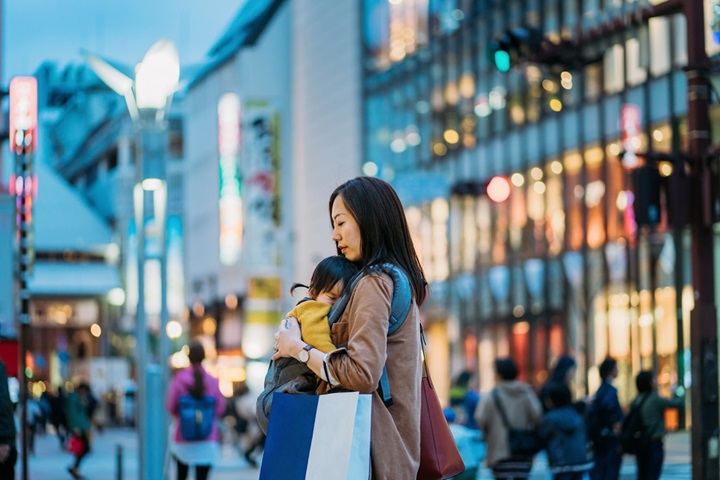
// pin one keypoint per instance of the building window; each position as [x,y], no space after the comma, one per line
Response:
[572,165]
[393,30]
[636,72]
[536,190]
[680,40]
[660,59]
[594,196]
[554,211]
[518,217]
[616,197]
[614,68]
[593,82]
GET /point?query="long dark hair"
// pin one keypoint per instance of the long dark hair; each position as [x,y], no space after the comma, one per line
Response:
[196,356]
[564,364]
[327,274]
[384,232]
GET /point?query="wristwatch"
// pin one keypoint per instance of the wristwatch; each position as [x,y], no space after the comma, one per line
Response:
[304,354]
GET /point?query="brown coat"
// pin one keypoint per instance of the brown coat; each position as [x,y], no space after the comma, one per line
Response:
[361,334]
[522,408]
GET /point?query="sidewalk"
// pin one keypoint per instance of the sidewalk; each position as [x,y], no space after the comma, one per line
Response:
[50,462]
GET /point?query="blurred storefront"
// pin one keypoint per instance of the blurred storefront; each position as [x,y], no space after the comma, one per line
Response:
[236,142]
[579,258]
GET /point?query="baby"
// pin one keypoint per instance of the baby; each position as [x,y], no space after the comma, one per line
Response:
[326,285]
[287,375]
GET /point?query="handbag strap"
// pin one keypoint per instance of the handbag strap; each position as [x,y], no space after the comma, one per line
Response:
[422,348]
[496,399]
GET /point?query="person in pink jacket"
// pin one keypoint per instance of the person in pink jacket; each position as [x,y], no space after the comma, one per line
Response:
[196,381]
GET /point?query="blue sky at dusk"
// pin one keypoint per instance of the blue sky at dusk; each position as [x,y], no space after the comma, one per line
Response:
[37,30]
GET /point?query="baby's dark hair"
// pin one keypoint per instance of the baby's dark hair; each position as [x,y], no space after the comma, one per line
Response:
[327,273]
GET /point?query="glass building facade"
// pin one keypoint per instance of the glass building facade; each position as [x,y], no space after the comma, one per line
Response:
[566,264]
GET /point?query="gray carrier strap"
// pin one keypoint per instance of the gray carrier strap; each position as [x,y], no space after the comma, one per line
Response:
[399,309]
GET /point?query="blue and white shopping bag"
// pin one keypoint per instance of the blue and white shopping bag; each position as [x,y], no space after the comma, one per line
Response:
[317,437]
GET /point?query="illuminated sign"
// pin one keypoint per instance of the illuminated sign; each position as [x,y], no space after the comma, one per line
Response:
[231,214]
[23,112]
[631,130]
[260,165]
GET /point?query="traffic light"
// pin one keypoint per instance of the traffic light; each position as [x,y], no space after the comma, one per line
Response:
[513,46]
[646,182]
[497,189]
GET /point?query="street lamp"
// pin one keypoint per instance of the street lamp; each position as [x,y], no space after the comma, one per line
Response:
[148,97]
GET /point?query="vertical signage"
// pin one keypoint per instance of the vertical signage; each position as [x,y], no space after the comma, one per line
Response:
[231,209]
[23,112]
[261,159]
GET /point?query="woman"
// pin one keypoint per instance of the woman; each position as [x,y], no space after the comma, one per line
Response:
[78,424]
[651,454]
[523,411]
[369,228]
[562,374]
[197,382]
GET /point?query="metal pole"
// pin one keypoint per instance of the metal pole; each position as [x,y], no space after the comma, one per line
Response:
[142,339]
[22,164]
[119,462]
[164,341]
[703,320]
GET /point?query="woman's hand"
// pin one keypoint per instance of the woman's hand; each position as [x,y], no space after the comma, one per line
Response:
[288,339]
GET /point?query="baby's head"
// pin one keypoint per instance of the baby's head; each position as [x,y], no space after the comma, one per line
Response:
[329,278]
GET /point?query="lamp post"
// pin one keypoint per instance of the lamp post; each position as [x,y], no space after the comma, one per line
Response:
[148,97]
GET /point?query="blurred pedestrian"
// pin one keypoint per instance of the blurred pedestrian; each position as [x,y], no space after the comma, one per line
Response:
[604,419]
[34,418]
[250,437]
[464,399]
[196,382]
[523,411]
[78,424]
[651,452]
[562,374]
[563,431]
[8,447]
[469,443]
[57,415]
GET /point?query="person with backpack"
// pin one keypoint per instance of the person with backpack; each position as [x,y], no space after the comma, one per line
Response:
[195,402]
[604,418]
[564,435]
[370,229]
[647,433]
[510,405]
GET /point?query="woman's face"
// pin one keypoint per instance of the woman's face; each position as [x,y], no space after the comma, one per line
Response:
[346,232]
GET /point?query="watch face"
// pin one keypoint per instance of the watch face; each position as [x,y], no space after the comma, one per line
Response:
[303,356]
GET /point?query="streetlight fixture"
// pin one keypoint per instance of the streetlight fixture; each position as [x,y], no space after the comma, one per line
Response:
[148,97]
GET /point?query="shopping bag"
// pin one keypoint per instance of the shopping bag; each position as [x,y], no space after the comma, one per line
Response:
[75,445]
[317,437]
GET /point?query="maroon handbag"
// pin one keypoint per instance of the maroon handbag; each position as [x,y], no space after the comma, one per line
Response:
[439,456]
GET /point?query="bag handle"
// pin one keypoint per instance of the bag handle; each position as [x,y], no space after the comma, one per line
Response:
[496,398]
[422,349]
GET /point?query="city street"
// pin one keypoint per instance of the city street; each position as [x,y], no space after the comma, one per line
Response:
[50,462]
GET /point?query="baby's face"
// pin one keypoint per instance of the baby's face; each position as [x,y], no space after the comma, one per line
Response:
[331,296]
